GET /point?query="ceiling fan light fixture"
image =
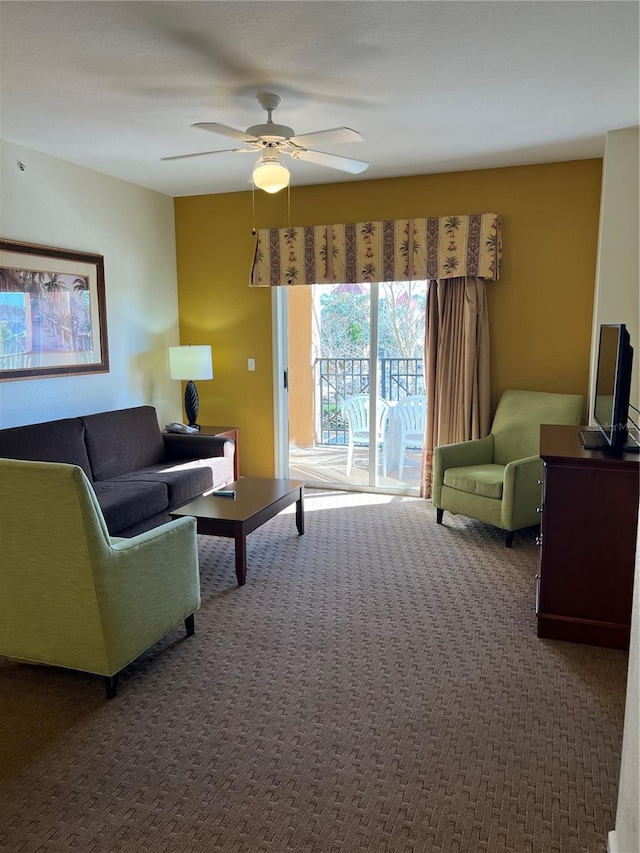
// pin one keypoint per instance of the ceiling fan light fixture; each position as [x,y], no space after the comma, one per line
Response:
[270,175]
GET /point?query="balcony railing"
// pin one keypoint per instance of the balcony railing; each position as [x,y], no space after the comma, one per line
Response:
[338,378]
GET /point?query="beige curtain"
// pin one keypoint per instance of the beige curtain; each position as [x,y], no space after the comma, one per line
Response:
[456,366]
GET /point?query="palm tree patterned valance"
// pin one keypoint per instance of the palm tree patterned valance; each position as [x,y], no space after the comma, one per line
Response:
[390,250]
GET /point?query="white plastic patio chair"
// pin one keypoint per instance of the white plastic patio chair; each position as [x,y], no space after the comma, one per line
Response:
[356,412]
[410,414]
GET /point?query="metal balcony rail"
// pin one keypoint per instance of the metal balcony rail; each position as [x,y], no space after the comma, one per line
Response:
[338,378]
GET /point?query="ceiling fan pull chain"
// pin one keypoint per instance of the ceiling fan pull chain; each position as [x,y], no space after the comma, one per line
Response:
[253,209]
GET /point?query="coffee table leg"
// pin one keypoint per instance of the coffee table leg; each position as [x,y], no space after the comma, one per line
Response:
[241,558]
[300,513]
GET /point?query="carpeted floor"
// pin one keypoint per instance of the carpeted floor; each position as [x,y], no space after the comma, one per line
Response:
[376,686]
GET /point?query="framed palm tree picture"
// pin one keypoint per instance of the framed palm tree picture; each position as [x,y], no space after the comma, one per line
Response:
[52,312]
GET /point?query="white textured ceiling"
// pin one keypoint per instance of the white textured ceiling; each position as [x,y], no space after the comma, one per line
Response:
[432,86]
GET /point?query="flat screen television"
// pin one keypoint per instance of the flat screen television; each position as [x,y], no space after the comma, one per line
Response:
[612,391]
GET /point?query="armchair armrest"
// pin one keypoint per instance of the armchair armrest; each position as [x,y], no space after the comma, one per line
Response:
[194,446]
[131,544]
[145,587]
[522,493]
[476,451]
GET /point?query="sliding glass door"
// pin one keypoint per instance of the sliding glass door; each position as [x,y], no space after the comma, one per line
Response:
[355,407]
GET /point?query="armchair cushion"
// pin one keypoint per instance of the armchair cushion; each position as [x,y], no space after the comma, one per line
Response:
[485,480]
[474,452]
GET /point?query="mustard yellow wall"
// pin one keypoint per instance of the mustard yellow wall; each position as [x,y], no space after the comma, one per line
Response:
[540,310]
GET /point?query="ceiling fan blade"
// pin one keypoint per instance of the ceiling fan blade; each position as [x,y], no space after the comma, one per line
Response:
[334,136]
[225,130]
[334,161]
[204,153]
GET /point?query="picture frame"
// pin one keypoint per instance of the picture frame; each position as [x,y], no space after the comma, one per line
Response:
[53,318]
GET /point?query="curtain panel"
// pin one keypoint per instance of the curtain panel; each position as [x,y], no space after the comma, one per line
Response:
[391,250]
[456,367]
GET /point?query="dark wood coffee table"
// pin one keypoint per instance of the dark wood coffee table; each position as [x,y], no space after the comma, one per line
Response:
[257,500]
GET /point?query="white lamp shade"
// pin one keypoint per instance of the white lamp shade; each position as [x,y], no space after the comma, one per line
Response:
[270,175]
[190,362]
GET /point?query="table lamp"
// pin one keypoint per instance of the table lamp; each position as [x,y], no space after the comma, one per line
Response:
[191,363]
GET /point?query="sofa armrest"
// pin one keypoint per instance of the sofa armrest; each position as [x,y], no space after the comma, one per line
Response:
[193,446]
[476,451]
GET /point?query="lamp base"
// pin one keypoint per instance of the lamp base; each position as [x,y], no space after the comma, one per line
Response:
[191,403]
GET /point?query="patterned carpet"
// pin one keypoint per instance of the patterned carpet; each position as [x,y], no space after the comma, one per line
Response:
[376,686]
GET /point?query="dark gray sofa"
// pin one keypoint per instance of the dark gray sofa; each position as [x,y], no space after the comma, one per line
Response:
[138,473]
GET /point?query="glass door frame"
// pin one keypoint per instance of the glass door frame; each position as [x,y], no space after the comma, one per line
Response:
[280,359]
[374,294]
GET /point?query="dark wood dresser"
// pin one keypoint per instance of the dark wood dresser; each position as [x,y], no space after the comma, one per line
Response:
[588,540]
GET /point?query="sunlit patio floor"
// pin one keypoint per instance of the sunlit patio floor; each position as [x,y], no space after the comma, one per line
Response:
[327,465]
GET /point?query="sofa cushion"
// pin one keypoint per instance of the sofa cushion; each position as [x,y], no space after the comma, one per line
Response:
[485,480]
[54,441]
[126,504]
[183,481]
[123,440]
[148,524]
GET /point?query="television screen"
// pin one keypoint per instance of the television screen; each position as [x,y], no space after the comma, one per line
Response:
[613,384]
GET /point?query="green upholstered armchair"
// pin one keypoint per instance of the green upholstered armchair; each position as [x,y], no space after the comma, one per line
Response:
[72,596]
[496,479]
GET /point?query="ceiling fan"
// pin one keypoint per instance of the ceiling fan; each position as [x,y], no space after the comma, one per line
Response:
[272,140]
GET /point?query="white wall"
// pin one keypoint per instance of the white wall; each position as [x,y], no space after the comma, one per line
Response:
[55,203]
[617,295]
[617,301]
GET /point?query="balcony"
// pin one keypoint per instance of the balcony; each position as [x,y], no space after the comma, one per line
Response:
[322,458]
